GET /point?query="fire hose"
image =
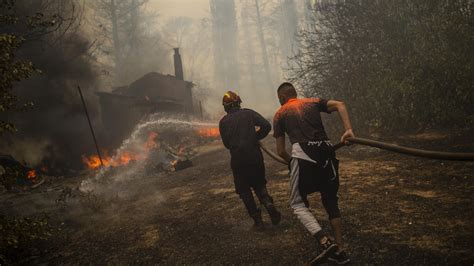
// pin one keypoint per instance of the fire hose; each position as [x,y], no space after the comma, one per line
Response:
[452,156]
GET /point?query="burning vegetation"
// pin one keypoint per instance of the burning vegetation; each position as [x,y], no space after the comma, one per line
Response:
[391,54]
[208,132]
[17,177]
[124,157]
[176,150]
[31,175]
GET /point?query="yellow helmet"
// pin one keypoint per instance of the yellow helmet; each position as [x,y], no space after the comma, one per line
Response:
[230,98]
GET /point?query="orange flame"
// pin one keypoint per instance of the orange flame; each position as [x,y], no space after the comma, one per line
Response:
[174,163]
[124,158]
[93,161]
[212,132]
[151,141]
[31,175]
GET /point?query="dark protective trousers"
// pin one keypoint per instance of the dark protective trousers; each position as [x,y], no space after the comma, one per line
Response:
[248,178]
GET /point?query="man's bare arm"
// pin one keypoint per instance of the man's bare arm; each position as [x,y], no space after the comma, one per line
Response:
[280,142]
[340,107]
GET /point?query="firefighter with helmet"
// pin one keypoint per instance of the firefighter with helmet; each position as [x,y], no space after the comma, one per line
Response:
[240,130]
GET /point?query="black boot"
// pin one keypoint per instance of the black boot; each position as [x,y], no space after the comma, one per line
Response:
[267,201]
[257,219]
[275,215]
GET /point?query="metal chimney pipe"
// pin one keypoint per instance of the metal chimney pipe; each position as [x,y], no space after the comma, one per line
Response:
[178,65]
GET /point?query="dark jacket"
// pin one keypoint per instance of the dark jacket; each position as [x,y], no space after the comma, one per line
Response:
[238,134]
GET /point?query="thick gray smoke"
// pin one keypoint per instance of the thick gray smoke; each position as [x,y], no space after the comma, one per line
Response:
[241,46]
[54,132]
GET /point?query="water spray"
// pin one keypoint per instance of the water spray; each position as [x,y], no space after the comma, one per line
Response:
[136,146]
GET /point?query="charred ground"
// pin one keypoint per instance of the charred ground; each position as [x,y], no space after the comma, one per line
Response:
[396,209]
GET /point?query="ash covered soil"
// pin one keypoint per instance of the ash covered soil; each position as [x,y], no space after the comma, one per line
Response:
[396,210]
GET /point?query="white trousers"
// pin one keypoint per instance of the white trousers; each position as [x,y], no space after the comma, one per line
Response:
[303,213]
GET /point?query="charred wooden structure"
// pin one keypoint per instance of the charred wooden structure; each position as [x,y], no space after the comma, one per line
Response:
[124,107]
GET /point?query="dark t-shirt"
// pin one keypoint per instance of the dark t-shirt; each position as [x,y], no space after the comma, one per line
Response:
[301,120]
[238,134]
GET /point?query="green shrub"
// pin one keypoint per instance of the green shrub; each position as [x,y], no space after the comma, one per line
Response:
[399,65]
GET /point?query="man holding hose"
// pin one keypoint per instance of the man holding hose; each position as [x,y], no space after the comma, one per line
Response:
[313,164]
[240,130]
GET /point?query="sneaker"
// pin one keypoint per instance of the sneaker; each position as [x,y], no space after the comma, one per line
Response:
[327,250]
[340,258]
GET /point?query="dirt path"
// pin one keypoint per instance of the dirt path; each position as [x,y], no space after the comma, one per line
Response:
[396,210]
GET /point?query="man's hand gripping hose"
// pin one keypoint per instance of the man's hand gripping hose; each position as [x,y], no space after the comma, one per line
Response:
[452,156]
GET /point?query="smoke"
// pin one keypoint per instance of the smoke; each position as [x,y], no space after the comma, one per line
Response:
[36,150]
[151,146]
[55,130]
[240,46]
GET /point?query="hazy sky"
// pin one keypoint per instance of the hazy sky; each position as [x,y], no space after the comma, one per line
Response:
[180,8]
